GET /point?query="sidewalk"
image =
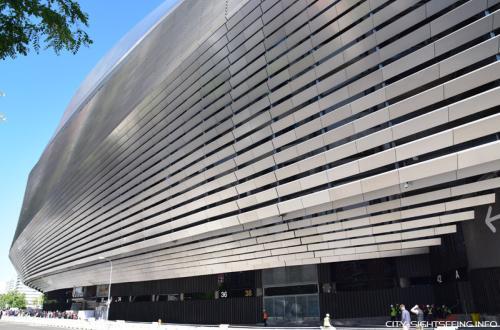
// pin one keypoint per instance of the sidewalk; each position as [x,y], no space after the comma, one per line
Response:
[97,325]
[122,325]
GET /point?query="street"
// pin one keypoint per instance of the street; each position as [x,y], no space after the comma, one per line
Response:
[18,326]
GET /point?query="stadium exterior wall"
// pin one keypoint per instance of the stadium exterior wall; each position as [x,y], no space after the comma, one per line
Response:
[245,136]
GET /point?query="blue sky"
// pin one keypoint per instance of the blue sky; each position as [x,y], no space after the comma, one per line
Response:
[38,88]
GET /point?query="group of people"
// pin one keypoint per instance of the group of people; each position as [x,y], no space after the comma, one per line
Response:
[428,313]
[70,315]
[11,312]
[397,313]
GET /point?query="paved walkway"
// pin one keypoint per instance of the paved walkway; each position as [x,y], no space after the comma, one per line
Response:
[27,323]
[22,326]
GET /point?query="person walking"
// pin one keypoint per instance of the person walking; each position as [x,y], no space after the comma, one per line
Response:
[405,317]
[326,323]
[420,316]
[393,312]
[265,316]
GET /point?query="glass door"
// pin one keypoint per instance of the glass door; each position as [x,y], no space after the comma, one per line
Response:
[293,309]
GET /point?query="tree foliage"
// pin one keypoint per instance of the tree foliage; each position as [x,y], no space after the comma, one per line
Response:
[41,300]
[36,24]
[13,299]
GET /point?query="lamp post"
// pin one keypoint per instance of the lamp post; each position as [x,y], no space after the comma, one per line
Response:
[109,287]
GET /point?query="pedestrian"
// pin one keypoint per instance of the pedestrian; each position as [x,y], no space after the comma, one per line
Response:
[393,312]
[326,322]
[405,317]
[446,311]
[265,316]
[430,313]
[1,313]
[420,316]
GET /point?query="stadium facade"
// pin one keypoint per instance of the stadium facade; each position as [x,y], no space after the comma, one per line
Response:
[299,156]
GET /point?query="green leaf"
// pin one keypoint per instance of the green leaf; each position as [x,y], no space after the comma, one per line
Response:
[27,25]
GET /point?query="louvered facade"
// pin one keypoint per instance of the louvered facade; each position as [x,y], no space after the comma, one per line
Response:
[239,137]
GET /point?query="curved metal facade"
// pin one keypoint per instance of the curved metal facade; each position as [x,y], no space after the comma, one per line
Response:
[241,136]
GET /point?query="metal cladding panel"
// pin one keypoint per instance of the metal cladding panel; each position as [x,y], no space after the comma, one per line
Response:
[137,76]
[193,284]
[486,288]
[250,135]
[246,310]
